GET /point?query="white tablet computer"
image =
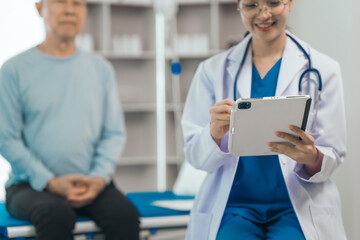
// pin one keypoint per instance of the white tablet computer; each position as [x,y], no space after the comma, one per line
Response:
[254,122]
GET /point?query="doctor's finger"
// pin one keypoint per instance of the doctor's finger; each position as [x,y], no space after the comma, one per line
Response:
[220,123]
[221,108]
[220,116]
[228,102]
[283,149]
[215,112]
[290,138]
[304,136]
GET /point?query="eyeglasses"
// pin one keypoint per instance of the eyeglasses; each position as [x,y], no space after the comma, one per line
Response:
[251,8]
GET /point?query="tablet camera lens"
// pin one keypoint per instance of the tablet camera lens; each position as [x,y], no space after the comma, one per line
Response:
[244,105]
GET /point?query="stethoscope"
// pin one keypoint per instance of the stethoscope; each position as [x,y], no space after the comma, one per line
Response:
[306,72]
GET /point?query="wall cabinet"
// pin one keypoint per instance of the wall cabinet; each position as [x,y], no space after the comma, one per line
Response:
[124,33]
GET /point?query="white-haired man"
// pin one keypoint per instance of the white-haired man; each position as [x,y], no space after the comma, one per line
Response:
[62,130]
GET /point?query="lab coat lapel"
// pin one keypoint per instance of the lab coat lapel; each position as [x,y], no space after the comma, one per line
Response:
[293,61]
[234,60]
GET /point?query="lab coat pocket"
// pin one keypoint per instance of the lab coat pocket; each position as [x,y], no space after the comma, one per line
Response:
[200,226]
[327,222]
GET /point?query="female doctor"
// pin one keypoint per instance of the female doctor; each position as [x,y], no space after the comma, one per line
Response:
[288,195]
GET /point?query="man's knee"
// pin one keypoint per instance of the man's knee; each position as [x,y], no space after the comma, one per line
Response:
[125,215]
[123,223]
[53,213]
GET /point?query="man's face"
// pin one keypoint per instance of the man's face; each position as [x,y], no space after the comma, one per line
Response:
[63,18]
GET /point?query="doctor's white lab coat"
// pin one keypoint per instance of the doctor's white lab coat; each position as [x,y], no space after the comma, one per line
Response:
[315,198]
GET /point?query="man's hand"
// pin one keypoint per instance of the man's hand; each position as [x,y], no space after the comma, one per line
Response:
[67,185]
[94,186]
[220,119]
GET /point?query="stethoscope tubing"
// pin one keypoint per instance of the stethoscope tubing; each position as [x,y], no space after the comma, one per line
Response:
[307,71]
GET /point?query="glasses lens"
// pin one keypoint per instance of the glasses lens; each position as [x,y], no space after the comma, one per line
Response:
[275,6]
[251,7]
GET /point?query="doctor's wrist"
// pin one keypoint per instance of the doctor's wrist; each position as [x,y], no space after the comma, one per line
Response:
[217,140]
[315,167]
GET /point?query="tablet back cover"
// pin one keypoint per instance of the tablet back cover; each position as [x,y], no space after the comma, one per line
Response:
[254,122]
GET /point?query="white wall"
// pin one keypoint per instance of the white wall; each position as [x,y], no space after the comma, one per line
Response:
[332,26]
[4,173]
[20,27]
[352,88]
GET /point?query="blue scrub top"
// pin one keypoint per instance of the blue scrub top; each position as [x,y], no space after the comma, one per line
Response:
[259,192]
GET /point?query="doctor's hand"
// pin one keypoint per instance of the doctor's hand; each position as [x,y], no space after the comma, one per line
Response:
[303,151]
[94,185]
[220,119]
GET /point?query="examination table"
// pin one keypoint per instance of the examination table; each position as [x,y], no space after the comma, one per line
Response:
[153,218]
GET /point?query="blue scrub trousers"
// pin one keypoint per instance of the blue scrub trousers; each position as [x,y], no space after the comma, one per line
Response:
[237,227]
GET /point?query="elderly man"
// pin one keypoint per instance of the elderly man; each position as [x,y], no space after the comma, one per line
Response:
[62,130]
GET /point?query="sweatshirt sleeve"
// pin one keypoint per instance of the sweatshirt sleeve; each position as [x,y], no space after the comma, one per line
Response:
[12,146]
[111,143]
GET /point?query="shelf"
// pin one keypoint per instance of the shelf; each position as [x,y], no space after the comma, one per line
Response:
[228,2]
[137,56]
[132,4]
[139,107]
[229,16]
[195,55]
[151,55]
[131,20]
[145,160]
[94,2]
[193,2]
[149,4]
[125,3]
[204,27]
[146,107]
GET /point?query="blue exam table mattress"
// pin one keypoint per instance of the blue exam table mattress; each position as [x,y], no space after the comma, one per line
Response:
[141,200]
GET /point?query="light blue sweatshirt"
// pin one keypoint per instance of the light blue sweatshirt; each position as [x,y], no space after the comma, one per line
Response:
[59,116]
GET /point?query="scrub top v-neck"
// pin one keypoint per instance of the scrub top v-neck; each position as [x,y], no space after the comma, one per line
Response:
[259,192]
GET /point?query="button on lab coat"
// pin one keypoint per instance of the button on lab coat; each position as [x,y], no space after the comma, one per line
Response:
[315,198]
